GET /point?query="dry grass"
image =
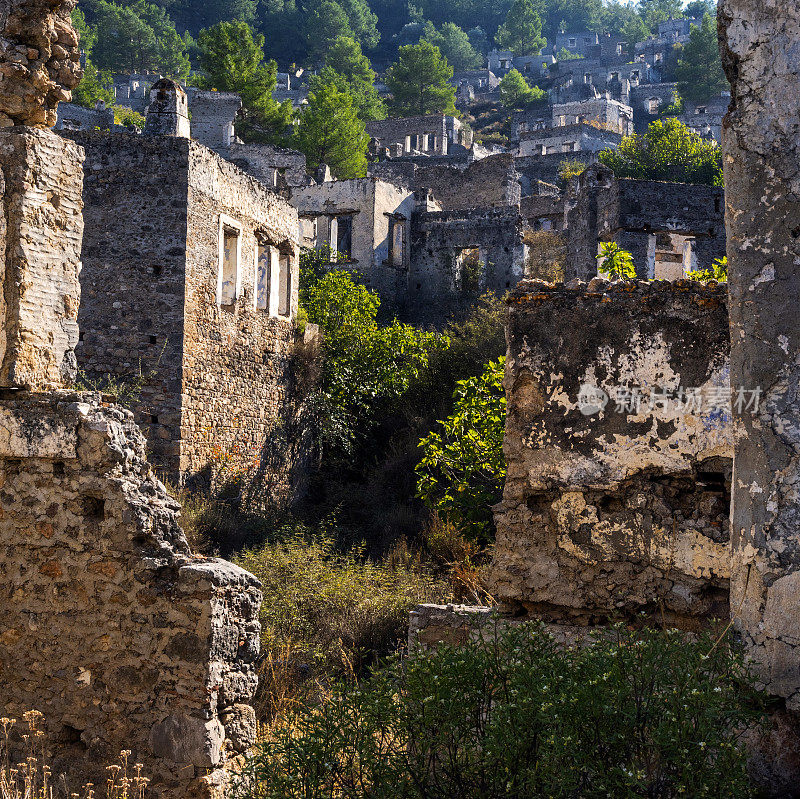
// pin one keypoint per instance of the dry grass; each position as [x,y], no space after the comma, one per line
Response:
[32,778]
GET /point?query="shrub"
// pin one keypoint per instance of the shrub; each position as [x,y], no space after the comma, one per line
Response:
[718,271]
[570,168]
[547,254]
[328,611]
[669,151]
[615,262]
[650,714]
[462,469]
[366,365]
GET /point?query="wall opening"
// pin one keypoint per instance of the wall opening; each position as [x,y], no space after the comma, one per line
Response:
[263,277]
[229,257]
[285,284]
[469,269]
[344,237]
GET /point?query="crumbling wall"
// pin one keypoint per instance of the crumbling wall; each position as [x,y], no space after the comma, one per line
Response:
[110,626]
[40,60]
[634,213]
[619,445]
[760,41]
[275,166]
[437,283]
[134,274]
[488,183]
[237,390]
[42,226]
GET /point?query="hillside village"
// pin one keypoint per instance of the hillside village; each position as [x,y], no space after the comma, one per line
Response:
[514,397]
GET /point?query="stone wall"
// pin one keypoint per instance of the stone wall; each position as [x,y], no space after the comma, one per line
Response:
[760,40]
[375,207]
[215,378]
[646,218]
[438,284]
[619,446]
[237,385]
[110,627]
[40,60]
[274,166]
[40,241]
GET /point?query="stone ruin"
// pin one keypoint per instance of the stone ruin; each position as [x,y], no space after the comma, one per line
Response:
[111,627]
[606,516]
[619,447]
[39,60]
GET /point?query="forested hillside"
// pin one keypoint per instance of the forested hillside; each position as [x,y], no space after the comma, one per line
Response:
[297,31]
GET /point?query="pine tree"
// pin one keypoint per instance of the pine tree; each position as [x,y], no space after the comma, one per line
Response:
[455,46]
[419,82]
[331,132]
[516,93]
[346,64]
[699,72]
[521,33]
[232,58]
[327,23]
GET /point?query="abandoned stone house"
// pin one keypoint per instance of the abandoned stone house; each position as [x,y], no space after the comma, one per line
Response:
[432,135]
[189,279]
[669,228]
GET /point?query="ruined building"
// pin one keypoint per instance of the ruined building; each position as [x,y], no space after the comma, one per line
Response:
[190,274]
[619,450]
[111,627]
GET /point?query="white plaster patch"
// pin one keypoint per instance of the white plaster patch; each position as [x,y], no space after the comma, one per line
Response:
[767,275]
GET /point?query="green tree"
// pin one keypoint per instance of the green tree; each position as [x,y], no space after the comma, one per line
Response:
[138,37]
[94,85]
[232,60]
[615,262]
[346,64]
[479,40]
[616,15]
[567,55]
[635,30]
[455,46]
[420,82]
[699,73]
[521,33]
[669,151]
[463,469]
[365,365]
[331,132]
[697,9]
[516,93]
[333,19]
[653,12]
[573,15]
[363,22]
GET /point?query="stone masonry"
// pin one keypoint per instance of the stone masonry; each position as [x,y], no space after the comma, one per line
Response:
[214,349]
[39,60]
[760,42]
[40,240]
[111,628]
[615,505]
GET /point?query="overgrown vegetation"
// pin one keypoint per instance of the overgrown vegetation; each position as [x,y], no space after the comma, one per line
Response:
[669,151]
[614,262]
[462,470]
[718,271]
[329,611]
[635,713]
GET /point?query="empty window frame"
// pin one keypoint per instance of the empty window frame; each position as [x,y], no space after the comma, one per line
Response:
[230,256]
[344,237]
[285,287]
[264,268]
[573,43]
[397,230]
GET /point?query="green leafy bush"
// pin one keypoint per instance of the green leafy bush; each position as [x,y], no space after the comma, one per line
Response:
[615,262]
[637,714]
[669,151]
[462,469]
[718,271]
[366,364]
